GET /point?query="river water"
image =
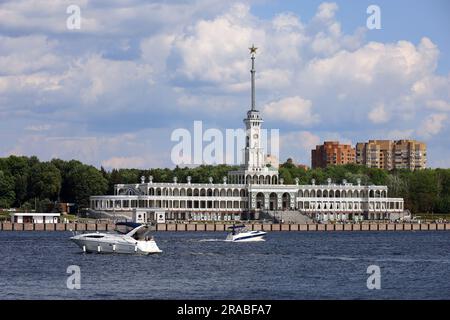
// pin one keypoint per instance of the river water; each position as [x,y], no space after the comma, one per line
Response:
[200,265]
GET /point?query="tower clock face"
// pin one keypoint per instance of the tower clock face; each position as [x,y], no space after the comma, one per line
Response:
[255,136]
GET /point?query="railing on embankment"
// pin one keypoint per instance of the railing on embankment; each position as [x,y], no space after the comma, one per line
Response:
[7,226]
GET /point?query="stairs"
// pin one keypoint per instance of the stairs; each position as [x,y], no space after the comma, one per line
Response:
[288,216]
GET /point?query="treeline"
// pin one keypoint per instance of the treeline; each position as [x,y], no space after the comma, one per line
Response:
[27,183]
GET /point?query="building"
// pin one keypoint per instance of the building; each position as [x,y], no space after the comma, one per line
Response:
[332,153]
[33,217]
[251,192]
[389,155]
[375,154]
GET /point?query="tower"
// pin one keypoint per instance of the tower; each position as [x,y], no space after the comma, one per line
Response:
[253,152]
[254,169]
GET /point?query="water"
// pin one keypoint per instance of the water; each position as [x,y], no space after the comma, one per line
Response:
[194,265]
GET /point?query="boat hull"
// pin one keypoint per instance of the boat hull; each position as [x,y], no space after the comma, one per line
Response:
[123,247]
[252,236]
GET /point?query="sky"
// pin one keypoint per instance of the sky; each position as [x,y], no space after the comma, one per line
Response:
[112,92]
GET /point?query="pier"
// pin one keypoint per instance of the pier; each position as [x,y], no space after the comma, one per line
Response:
[221,227]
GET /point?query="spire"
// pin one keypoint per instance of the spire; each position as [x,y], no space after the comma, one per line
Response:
[252,71]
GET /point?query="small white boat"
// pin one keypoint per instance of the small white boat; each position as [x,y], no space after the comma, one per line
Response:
[241,234]
[136,241]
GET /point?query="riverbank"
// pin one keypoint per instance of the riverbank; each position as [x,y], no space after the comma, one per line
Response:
[7,226]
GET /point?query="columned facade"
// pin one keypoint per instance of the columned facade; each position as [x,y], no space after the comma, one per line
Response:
[185,200]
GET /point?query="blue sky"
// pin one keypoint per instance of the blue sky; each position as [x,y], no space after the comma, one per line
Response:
[112,92]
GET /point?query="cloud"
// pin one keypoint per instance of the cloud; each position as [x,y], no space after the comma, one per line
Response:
[378,114]
[207,57]
[295,110]
[432,125]
[124,162]
[300,144]
[136,66]
[37,128]
[326,11]
[439,105]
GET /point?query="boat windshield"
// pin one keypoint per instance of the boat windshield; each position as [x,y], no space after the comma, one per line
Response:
[125,227]
[235,229]
[142,234]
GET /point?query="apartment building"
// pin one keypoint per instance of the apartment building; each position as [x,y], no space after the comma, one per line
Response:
[332,153]
[389,155]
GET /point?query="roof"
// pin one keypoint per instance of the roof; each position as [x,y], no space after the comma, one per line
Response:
[35,214]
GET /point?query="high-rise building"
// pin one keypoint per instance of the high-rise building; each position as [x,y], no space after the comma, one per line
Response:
[375,154]
[387,154]
[332,153]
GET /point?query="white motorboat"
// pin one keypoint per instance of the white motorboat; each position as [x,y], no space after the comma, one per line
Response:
[136,241]
[240,233]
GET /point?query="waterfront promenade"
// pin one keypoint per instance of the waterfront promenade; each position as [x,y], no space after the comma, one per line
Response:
[8,226]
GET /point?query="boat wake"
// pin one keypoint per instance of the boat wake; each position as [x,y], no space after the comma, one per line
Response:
[342,258]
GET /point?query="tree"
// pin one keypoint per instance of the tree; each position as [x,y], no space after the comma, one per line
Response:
[83,181]
[396,185]
[286,175]
[7,195]
[423,189]
[44,181]
[20,170]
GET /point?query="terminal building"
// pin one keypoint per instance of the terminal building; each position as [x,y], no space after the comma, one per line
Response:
[255,191]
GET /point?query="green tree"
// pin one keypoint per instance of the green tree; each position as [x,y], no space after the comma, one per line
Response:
[44,181]
[423,190]
[83,181]
[7,195]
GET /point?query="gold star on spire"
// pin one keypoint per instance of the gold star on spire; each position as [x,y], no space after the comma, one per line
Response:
[253,49]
